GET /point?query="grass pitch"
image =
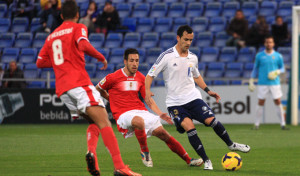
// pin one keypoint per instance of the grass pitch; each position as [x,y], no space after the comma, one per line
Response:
[59,150]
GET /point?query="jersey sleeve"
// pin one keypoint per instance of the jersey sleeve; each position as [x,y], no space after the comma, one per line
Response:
[106,82]
[158,66]
[81,33]
[281,64]
[43,60]
[255,67]
[143,88]
[195,70]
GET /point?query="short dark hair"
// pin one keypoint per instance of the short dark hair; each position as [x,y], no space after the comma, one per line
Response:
[69,9]
[183,28]
[129,51]
[269,36]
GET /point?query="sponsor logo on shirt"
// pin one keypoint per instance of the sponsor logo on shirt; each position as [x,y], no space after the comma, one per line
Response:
[152,69]
[102,81]
[83,32]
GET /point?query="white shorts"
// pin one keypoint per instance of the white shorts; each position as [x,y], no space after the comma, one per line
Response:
[81,97]
[262,91]
[151,122]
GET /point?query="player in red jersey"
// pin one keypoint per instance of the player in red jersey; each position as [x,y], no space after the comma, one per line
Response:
[122,89]
[64,51]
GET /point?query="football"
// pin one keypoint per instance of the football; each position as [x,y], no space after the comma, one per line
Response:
[232,161]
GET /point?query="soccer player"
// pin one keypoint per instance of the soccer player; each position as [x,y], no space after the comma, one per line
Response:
[268,65]
[122,89]
[184,102]
[64,51]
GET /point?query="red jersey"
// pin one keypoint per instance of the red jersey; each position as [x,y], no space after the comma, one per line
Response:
[123,91]
[61,49]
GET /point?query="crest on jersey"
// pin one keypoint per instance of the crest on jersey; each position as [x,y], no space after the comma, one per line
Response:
[83,32]
[273,57]
[102,81]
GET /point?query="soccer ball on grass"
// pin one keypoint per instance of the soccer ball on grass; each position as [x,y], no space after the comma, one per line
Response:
[232,161]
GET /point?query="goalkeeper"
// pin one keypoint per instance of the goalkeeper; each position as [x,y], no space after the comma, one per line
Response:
[268,66]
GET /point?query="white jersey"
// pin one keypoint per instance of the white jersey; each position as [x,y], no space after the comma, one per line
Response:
[178,74]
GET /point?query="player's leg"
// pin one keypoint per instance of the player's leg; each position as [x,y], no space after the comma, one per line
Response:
[277,94]
[175,146]
[139,129]
[262,92]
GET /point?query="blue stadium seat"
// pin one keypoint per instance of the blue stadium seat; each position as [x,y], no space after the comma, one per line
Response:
[116,56]
[10,54]
[233,70]
[203,39]
[236,82]
[45,71]
[124,9]
[158,10]
[19,24]
[23,40]
[35,25]
[195,50]
[247,70]
[246,54]
[217,24]
[285,8]
[194,9]
[179,22]
[83,4]
[152,55]
[141,10]
[176,10]
[213,9]
[103,51]
[209,54]
[130,23]
[250,8]
[230,8]
[144,25]
[151,2]
[220,82]
[4,25]
[144,67]
[97,39]
[91,69]
[199,24]
[149,40]
[142,54]
[167,40]
[113,40]
[270,19]
[39,39]
[28,55]
[102,73]
[132,40]
[202,68]
[221,39]
[134,1]
[159,83]
[228,54]
[31,71]
[267,8]
[3,10]
[286,53]
[36,84]
[6,40]
[215,70]
[163,25]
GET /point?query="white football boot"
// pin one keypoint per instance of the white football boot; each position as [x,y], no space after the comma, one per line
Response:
[208,165]
[239,147]
[146,158]
[196,162]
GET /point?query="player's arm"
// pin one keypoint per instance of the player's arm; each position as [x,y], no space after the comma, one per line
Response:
[200,82]
[43,60]
[253,75]
[88,48]
[148,93]
[103,92]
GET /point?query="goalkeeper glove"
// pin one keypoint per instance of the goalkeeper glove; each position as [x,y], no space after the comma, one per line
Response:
[273,74]
[251,85]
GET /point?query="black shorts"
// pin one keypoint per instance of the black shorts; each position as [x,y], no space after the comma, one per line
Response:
[195,110]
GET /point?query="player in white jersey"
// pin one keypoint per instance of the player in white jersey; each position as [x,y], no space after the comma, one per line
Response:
[268,65]
[180,73]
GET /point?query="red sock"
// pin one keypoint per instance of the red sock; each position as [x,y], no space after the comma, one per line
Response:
[142,138]
[111,143]
[92,135]
[177,148]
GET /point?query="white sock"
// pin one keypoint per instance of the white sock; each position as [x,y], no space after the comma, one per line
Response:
[259,114]
[279,111]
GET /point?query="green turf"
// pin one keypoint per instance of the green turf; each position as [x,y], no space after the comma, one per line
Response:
[59,150]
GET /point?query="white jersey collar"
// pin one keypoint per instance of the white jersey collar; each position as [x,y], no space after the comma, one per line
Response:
[125,73]
[269,53]
[177,54]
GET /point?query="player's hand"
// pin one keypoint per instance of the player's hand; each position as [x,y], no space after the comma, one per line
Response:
[104,65]
[273,74]
[251,85]
[148,98]
[166,118]
[215,95]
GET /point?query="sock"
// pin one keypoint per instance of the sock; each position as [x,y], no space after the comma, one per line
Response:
[279,111]
[196,143]
[177,148]
[221,132]
[92,135]
[111,143]
[259,113]
[142,139]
